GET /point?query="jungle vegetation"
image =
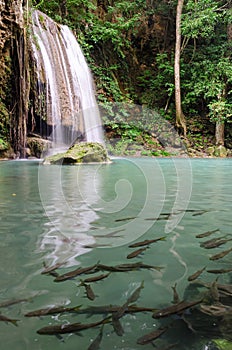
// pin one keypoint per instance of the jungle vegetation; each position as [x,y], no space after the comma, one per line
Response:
[168,55]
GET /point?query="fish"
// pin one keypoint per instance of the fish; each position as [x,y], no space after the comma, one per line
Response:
[221,287]
[176,298]
[96,278]
[111,234]
[136,253]
[214,291]
[220,255]
[136,266]
[219,270]
[132,298]
[196,274]
[207,233]
[7,303]
[215,309]
[71,327]
[89,292]
[52,311]
[147,242]
[135,295]
[127,267]
[8,320]
[163,217]
[175,309]
[95,345]
[48,269]
[125,219]
[213,243]
[74,273]
[117,326]
[106,309]
[200,212]
[149,337]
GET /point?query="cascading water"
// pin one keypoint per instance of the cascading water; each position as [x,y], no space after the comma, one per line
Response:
[65,83]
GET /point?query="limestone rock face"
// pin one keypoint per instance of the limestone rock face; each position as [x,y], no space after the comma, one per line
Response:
[85,152]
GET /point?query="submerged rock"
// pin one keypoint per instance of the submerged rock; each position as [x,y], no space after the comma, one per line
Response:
[85,152]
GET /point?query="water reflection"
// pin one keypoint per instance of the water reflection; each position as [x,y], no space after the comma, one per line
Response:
[67,199]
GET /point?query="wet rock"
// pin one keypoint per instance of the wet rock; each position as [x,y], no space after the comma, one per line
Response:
[37,146]
[85,152]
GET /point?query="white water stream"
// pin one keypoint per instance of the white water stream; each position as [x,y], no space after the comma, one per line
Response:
[71,105]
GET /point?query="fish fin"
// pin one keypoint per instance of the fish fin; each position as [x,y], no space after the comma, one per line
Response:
[77,308]
[157,268]
[59,337]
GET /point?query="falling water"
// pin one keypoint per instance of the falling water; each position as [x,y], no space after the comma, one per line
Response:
[65,83]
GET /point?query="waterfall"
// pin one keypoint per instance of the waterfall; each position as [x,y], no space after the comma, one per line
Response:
[64,83]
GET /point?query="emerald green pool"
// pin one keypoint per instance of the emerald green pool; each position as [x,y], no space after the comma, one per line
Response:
[82,215]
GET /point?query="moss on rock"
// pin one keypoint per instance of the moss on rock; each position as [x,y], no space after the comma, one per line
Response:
[85,152]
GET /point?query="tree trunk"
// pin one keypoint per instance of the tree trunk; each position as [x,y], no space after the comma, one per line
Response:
[63,8]
[180,118]
[219,133]
[220,125]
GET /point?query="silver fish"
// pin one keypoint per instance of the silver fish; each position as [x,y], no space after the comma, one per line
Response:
[8,320]
[117,325]
[147,242]
[206,234]
[148,338]
[219,270]
[196,274]
[176,298]
[89,292]
[95,345]
[136,253]
[74,273]
[70,328]
[175,309]
[220,255]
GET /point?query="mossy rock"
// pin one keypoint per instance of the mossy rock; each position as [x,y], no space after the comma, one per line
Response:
[85,152]
[217,151]
[223,344]
[220,151]
[38,146]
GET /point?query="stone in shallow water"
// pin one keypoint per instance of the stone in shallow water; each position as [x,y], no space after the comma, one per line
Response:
[85,152]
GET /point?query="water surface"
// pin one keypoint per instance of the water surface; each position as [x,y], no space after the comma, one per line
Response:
[80,215]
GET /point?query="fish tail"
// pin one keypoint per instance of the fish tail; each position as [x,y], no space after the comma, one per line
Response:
[14,322]
[107,320]
[77,308]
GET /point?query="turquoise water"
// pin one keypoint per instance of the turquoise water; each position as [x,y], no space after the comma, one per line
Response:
[81,215]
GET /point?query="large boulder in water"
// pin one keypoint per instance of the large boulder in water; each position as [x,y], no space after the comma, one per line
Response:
[85,152]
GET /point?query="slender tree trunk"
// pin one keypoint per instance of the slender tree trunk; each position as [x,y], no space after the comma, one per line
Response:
[219,133]
[220,125]
[180,118]
[63,8]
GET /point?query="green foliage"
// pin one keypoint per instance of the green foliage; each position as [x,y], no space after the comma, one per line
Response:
[129,46]
[220,110]
[200,18]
